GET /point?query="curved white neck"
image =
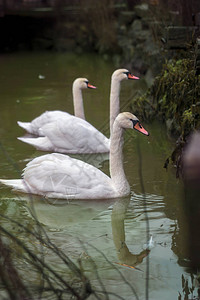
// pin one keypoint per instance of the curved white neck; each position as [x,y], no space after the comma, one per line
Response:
[114,101]
[78,102]
[116,161]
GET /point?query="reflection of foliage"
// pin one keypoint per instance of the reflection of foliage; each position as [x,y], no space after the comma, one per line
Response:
[9,275]
[187,290]
[51,281]
[27,273]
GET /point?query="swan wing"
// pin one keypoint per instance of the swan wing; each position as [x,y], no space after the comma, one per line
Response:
[47,117]
[58,175]
[75,136]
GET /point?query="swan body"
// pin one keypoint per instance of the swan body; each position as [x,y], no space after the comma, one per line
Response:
[69,134]
[72,136]
[34,126]
[59,176]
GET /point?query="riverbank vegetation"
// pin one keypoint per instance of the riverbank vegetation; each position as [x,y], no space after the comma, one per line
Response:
[174,99]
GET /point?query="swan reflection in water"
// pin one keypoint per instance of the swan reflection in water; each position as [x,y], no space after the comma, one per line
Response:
[118,230]
[59,215]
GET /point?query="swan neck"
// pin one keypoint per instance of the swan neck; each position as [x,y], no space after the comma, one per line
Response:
[116,161]
[118,230]
[78,102]
[114,101]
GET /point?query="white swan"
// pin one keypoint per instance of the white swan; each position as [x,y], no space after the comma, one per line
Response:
[73,135]
[59,176]
[34,126]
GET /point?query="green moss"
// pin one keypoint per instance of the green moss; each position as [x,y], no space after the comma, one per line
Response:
[188,116]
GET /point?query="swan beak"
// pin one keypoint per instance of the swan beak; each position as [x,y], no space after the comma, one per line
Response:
[141,129]
[131,76]
[90,86]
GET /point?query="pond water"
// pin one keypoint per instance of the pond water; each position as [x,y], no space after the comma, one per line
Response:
[107,236]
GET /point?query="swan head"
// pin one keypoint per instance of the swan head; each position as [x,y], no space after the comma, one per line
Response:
[82,83]
[123,74]
[127,120]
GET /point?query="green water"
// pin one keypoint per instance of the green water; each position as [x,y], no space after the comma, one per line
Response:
[117,229]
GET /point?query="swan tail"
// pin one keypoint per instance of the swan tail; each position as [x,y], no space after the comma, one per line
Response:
[26,126]
[16,184]
[40,143]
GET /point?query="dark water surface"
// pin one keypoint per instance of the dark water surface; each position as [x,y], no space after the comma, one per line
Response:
[81,228]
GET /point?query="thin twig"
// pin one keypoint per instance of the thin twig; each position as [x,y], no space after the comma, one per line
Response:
[146,214]
[43,264]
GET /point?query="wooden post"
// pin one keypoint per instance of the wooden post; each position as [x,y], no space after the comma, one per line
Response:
[191,176]
[197,56]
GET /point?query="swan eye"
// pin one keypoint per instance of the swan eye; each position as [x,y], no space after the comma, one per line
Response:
[86,82]
[134,122]
[126,73]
